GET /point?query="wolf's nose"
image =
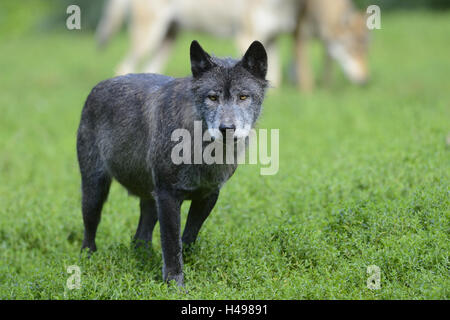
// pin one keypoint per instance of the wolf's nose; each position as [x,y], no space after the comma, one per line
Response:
[224,127]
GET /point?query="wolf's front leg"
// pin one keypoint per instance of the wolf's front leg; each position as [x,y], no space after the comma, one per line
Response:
[168,207]
[198,212]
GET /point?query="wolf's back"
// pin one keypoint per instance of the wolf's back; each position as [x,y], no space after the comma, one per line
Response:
[115,129]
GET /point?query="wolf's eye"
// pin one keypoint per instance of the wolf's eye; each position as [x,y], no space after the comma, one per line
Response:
[243,97]
[212,97]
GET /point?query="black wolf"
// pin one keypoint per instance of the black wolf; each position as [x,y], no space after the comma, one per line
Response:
[125,134]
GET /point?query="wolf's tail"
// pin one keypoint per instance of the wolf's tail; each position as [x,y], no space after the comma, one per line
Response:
[113,15]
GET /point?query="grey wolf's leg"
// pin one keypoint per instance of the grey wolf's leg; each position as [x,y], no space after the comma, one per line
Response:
[198,212]
[304,73]
[95,189]
[147,221]
[158,61]
[113,15]
[149,26]
[168,207]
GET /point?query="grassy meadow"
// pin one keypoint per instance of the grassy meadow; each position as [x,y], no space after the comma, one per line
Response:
[363,180]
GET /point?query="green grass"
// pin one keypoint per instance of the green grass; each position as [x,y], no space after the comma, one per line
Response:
[363,180]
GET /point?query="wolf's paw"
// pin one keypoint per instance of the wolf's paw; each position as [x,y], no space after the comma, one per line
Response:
[88,249]
[142,244]
[177,278]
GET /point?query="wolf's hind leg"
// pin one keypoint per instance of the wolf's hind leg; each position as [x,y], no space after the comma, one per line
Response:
[158,60]
[147,221]
[147,31]
[198,212]
[95,189]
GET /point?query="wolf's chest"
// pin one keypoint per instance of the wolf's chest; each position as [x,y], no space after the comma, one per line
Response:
[192,178]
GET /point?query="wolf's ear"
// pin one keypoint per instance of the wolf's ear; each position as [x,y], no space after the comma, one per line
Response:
[200,60]
[255,60]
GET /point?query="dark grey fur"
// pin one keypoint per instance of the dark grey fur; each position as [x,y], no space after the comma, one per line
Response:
[125,134]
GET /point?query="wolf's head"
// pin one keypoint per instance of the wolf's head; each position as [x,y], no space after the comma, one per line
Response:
[229,93]
[349,46]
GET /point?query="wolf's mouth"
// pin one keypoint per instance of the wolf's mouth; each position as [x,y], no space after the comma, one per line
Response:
[234,136]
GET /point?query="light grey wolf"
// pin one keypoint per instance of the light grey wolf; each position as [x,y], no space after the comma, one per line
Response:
[344,34]
[125,134]
[154,25]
